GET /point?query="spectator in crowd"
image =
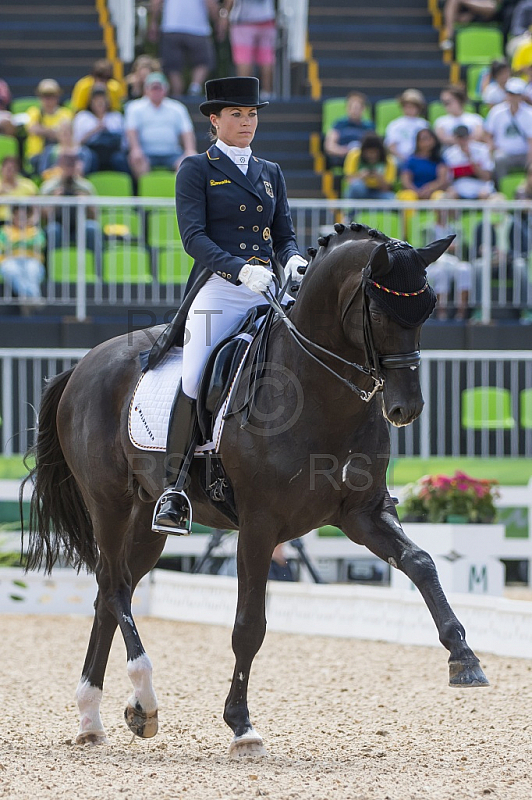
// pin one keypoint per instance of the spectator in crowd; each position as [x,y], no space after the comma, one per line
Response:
[186,40]
[348,131]
[492,85]
[521,232]
[159,130]
[7,125]
[47,164]
[424,172]
[509,129]
[522,57]
[280,569]
[527,93]
[44,121]
[13,184]
[471,167]
[61,229]
[521,19]
[452,270]
[101,131]
[524,190]
[102,72]
[142,66]
[369,170]
[22,254]
[253,32]
[465,11]
[400,135]
[454,99]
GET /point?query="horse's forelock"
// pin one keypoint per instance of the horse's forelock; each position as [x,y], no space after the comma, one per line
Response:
[356,232]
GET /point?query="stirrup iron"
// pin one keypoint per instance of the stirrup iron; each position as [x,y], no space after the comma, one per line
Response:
[183,530]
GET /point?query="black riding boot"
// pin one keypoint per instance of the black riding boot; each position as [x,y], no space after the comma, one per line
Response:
[173,512]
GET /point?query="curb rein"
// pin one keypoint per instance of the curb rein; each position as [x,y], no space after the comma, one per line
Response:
[374,362]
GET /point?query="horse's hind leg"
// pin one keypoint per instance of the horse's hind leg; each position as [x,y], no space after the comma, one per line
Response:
[117,576]
[381,532]
[248,633]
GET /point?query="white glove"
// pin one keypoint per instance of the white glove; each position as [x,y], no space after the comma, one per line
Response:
[255,277]
[292,264]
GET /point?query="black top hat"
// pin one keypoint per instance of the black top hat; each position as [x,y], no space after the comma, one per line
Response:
[224,92]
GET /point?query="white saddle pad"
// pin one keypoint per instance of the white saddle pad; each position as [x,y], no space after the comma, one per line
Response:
[150,406]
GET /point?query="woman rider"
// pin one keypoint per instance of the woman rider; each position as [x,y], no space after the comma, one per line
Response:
[233,217]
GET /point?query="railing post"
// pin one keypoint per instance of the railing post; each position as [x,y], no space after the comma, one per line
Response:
[7,406]
[485,289]
[81,245]
[424,424]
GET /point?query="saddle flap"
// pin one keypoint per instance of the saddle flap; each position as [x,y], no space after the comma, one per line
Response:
[221,367]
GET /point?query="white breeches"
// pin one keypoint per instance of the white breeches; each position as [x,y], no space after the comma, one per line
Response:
[216,308]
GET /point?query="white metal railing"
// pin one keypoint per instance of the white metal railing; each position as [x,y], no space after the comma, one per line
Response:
[133,254]
[439,431]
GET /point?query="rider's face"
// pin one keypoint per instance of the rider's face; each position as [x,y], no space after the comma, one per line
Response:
[236,126]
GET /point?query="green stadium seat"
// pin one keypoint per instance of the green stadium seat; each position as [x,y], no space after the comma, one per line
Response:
[525,408]
[162,228]
[174,265]
[478,44]
[385,112]
[112,184]
[126,264]
[157,184]
[63,265]
[509,183]
[120,223]
[21,104]
[487,407]
[389,222]
[8,146]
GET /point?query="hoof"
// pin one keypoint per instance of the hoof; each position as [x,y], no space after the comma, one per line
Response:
[91,738]
[466,675]
[250,744]
[141,724]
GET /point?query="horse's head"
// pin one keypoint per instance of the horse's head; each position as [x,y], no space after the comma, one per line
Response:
[396,300]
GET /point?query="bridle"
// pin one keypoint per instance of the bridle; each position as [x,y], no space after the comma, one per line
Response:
[374,362]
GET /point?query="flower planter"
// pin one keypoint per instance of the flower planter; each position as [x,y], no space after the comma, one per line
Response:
[467,557]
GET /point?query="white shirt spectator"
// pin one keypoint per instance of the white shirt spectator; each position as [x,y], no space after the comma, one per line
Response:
[86,121]
[464,181]
[511,133]
[186,16]
[448,122]
[402,133]
[493,94]
[252,13]
[158,127]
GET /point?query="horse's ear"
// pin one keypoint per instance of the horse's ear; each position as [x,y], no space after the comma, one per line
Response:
[431,252]
[379,263]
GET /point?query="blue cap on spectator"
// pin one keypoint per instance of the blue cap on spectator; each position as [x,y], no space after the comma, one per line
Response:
[156,77]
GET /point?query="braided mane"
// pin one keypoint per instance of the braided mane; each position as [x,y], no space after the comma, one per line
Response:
[355,231]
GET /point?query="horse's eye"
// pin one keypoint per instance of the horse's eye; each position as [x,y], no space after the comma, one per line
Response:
[376,316]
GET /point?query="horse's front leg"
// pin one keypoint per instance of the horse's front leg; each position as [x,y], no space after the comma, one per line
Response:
[381,532]
[253,561]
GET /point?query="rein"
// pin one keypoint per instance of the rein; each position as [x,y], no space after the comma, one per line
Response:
[374,361]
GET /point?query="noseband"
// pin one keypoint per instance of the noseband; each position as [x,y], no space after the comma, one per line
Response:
[374,362]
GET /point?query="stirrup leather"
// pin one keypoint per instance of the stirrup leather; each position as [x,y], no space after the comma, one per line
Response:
[183,530]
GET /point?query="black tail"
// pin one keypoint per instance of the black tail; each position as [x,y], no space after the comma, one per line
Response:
[59,523]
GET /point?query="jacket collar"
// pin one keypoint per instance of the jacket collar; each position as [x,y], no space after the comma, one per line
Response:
[222,162]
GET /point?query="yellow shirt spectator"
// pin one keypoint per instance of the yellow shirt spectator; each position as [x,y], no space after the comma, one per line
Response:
[36,116]
[388,170]
[13,185]
[522,57]
[81,93]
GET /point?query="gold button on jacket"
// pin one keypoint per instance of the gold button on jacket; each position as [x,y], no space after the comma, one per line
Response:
[266,234]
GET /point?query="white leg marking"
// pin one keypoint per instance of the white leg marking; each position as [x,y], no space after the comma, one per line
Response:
[89,699]
[392,562]
[140,672]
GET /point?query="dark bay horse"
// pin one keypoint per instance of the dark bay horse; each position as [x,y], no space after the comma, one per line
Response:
[314,452]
